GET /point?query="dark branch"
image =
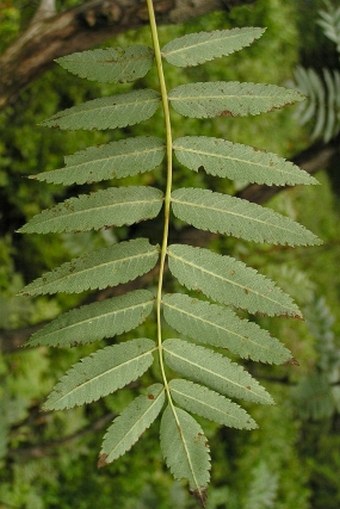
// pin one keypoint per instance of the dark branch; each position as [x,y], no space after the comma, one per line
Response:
[43,449]
[314,158]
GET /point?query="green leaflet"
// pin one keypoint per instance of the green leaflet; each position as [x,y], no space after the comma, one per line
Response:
[99,269]
[131,424]
[110,64]
[197,48]
[209,368]
[221,213]
[102,373]
[117,159]
[108,112]
[185,449]
[228,281]
[96,321]
[209,404]
[219,326]
[116,206]
[235,161]
[223,98]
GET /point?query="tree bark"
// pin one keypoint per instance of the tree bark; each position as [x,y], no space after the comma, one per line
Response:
[49,37]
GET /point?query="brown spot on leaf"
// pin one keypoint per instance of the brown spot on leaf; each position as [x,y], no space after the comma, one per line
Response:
[297,317]
[198,437]
[226,113]
[151,396]
[102,461]
[292,362]
[201,495]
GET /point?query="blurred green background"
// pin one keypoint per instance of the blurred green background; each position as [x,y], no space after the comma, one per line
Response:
[292,461]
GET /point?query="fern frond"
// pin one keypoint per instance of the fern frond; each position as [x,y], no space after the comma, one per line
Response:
[185,449]
[221,213]
[219,326]
[235,161]
[228,281]
[117,159]
[229,99]
[206,367]
[96,321]
[323,101]
[116,206]
[108,112]
[209,404]
[102,373]
[263,490]
[110,65]
[313,397]
[330,23]
[131,424]
[99,269]
[197,48]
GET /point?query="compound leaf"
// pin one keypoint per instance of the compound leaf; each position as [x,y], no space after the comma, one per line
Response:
[131,424]
[96,321]
[117,159]
[99,269]
[222,213]
[110,65]
[223,98]
[102,373]
[219,326]
[235,161]
[185,449]
[210,404]
[209,368]
[228,281]
[116,206]
[197,48]
[108,112]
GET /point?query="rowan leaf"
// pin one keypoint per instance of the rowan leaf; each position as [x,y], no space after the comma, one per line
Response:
[210,404]
[98,269]
[228,281]
[102,373]
[219,326]
[229,98]
[185,449]
[116,206]
[131,424]
[117,159]
[199,47]
[238,162]
[109,65]
[108,112]
[96,321]
[222,213]
[217,372]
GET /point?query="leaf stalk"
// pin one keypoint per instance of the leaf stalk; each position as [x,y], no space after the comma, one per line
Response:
[167,198]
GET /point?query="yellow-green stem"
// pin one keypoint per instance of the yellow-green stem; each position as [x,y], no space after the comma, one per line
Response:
[167,198]
[167,205]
